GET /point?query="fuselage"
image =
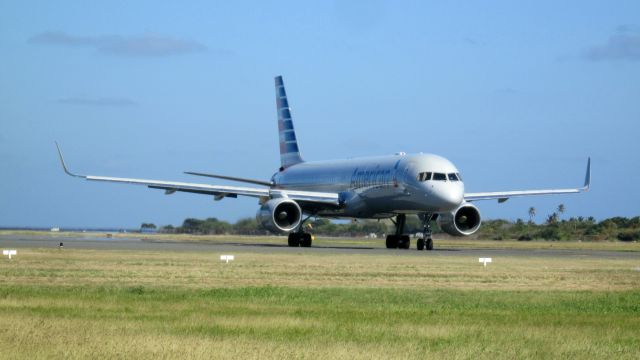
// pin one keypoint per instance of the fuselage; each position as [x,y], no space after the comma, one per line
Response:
[378,187]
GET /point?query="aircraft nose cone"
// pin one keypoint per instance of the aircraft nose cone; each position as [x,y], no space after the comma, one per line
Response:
[450,199]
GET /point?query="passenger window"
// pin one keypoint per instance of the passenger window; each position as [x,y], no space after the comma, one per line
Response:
[439,176]
[453,177]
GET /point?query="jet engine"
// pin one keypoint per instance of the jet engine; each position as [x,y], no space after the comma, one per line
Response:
[463,221]
[280,215]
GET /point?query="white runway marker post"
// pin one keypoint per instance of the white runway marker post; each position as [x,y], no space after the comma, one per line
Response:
[226,258]
[9,253]
[484,261]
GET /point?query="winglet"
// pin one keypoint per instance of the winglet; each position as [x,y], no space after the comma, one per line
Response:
[587,177]
[64,165]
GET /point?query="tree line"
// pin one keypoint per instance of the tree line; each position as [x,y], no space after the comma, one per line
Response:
[249,226]
[554,228]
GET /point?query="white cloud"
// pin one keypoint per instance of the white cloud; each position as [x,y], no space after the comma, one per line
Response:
[623,45]
[148,45]
[104,101]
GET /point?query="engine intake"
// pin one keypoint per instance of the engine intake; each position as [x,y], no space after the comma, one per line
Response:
[463,221]
[280,215]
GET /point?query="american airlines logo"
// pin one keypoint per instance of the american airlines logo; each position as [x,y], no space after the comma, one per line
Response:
[375,177]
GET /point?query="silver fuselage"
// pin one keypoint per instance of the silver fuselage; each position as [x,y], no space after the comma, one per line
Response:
[377,187]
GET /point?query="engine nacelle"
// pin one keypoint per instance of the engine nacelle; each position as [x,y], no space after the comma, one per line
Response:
[463,221]
[280,215]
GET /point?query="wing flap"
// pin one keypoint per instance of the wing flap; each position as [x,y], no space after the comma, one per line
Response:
[307,196]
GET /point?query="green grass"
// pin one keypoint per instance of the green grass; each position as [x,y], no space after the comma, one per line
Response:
[119,304]
[277,322]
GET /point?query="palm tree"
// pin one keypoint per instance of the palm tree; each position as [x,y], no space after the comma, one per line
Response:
[561,209]
[532,214]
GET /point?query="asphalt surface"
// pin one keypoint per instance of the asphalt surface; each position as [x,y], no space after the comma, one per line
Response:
[136,244]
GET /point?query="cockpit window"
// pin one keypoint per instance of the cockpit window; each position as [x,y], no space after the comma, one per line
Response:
[453,177]
[439,176]
[424,176]
[459,177]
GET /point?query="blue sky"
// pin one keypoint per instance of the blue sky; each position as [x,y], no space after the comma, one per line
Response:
[516,94]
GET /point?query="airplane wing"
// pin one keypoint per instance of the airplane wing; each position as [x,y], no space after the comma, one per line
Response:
[218,191]
[503,196]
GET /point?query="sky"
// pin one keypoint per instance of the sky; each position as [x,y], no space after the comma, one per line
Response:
[516,94]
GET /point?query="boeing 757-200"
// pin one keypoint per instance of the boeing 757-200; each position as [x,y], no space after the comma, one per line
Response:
[382,187]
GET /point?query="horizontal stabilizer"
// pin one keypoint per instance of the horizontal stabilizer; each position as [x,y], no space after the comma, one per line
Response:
[232,178]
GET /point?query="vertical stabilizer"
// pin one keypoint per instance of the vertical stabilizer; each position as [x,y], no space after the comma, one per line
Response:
[289,151]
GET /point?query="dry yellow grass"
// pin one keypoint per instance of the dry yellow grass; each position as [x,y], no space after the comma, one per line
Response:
[72,267]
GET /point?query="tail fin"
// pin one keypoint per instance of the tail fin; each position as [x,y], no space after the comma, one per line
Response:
[289,152]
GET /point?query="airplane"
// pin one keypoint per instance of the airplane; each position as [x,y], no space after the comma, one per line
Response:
[382,187]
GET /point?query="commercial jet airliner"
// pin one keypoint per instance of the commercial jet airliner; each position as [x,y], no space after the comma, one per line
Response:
[382,187]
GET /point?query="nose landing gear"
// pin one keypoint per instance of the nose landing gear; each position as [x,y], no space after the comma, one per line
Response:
[427,241]
[400,241]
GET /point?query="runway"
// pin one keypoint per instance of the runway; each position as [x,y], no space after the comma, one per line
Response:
[137,244]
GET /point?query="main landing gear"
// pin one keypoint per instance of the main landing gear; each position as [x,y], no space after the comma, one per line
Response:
[299,237]
[401,241]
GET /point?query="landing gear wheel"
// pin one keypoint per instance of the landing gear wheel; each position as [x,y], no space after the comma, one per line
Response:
[404,242]
[294,240]
[429,244]
[306,240]
[392,242]
[420,244]
[397,240]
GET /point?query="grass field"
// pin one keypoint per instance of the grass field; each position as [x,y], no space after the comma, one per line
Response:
[119,304]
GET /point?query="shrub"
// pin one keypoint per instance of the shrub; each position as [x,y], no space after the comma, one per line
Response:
[525,237]
[550,233]
[629,236]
